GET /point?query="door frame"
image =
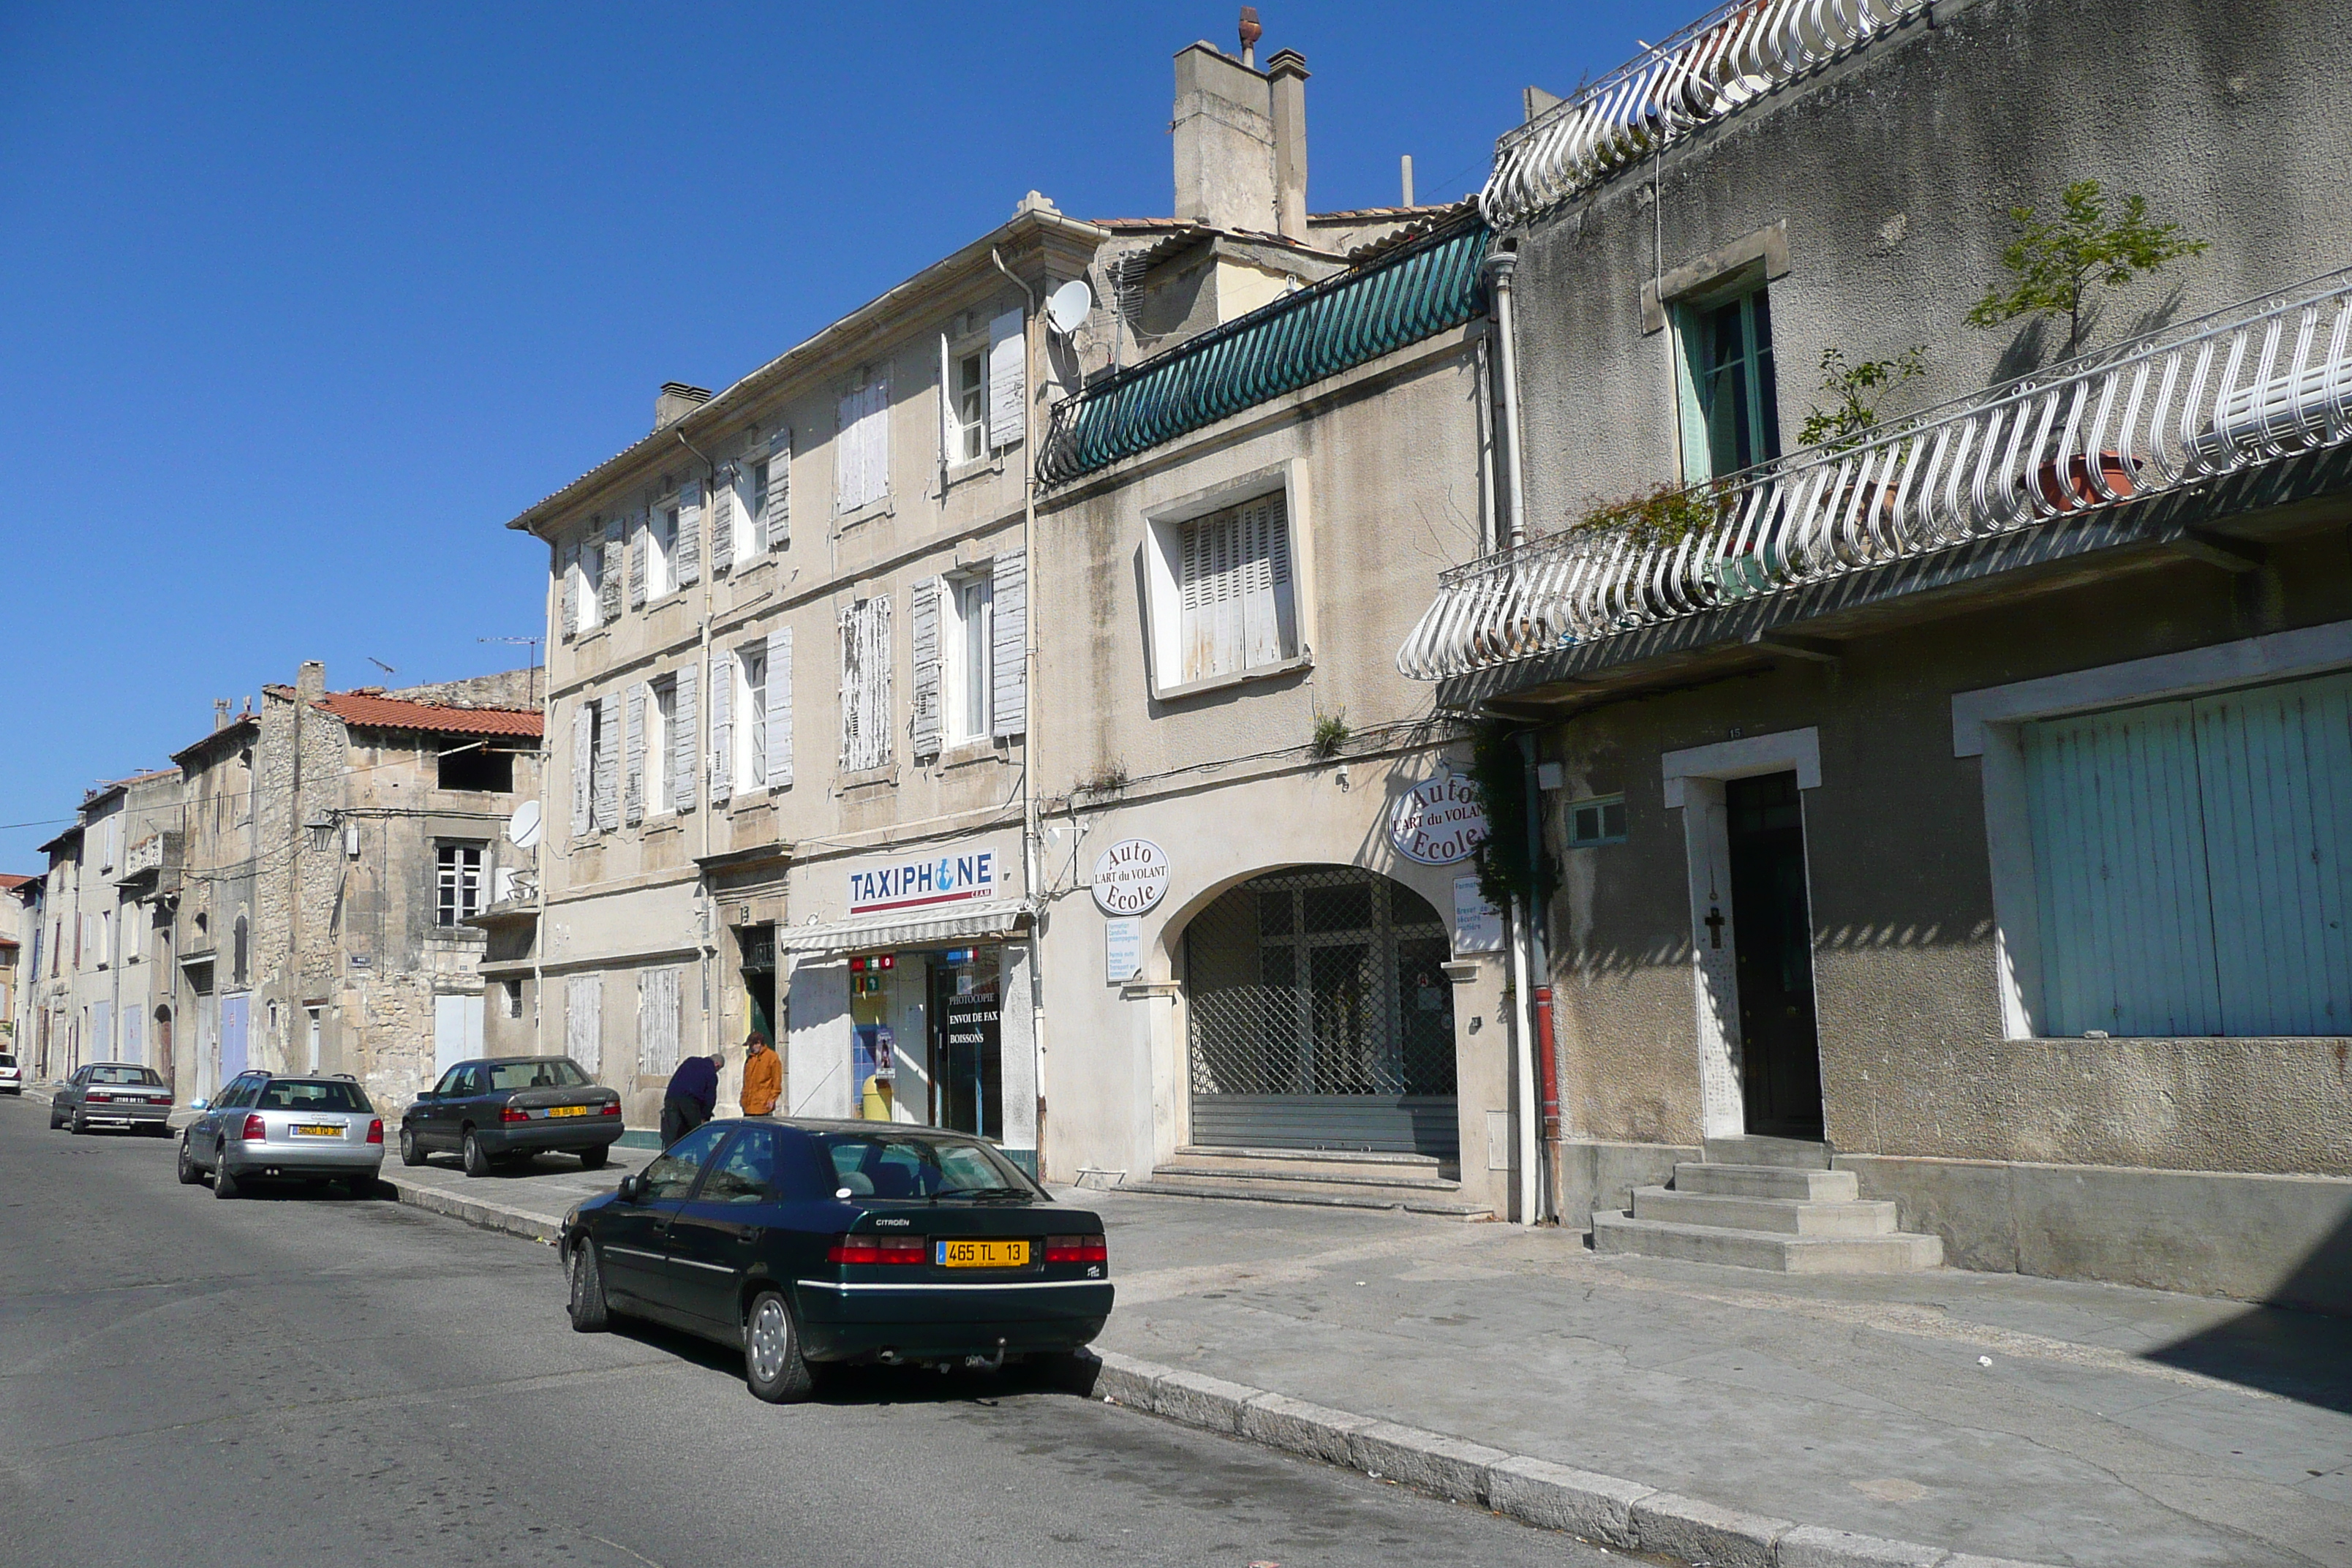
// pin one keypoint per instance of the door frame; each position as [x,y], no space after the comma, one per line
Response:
[1694,780]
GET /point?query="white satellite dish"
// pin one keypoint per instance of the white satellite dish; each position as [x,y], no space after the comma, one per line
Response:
[522,827]
[1069,306]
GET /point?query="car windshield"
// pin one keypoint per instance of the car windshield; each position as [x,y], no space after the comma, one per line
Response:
[7,1060]
[296,1094]
[123,1074]
[545,1072]
[886,1165]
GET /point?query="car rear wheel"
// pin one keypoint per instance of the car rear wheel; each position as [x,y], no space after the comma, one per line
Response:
[591,1313]
[477,1162]
[186,1166]
[56,1118]
[410,1151]
[77,1126]
[593,1159]
[772,1363]
[225,1182]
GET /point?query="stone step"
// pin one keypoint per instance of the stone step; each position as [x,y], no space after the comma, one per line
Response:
[1615,1231]
[1166,1184]
[1791,1153]
[1767,1182]
[1412,1180]
[1783,1217]
[1370,1165]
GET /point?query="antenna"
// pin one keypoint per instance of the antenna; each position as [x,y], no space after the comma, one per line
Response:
[382,666]
[530,689]
[1067,307]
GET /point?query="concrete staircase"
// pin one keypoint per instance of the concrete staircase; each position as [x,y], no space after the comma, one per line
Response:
[1766,1202]
[1334,1178]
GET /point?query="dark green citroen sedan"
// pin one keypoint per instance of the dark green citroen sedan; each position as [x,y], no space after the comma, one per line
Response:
[839,1243]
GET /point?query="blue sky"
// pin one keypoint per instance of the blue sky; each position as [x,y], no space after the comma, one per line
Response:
[302,303]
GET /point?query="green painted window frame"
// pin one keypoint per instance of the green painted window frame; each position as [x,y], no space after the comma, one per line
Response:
[1728,401]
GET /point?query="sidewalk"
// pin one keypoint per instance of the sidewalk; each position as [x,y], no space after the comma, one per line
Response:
[2112,1428]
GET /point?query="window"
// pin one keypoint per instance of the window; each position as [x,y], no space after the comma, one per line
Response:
[968,409]
[592,564]
[460,881]
[513,989]
[1731,410]
[661,552]
[657,1022]
[751,760]
[532,1072]
[747,1173]
[671,1175]
[746,543]
[1599,821]
[134,917]
[333,1095]
[971,601]
[476,767]
[1233,584]
[239,953]
[661,732]
[865,726]
[861,452]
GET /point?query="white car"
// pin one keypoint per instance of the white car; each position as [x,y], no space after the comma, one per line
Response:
[12,1076]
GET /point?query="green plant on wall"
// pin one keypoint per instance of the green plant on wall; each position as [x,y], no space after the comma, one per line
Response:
[1506,871]
[1665,515]
[1853,392]
[2054,262]
[1331,732]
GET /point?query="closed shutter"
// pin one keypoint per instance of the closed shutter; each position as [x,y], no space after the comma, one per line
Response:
[777,740]
[948,426]
[683,732]
[584,1022]
[776,514]
[690,512]
[722,728]
[2193,864]
[639,541]
[1008,381]
[723,508]
[1008,653]
[865,685]
[606,768]
[861,451]
[1237,597]
[609,572]
[633,789]
[1269,613]
[567,569]
[928,673]
[657,1022]
[686,552]
[583,766]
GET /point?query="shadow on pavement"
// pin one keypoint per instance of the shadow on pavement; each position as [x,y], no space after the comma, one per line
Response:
[848,1387]
[2295,1345]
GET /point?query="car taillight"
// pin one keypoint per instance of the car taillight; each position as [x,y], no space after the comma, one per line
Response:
[611,1109]
[376,1131]
[511,1114]
[1076,1249]
[256,1130]
[101,1100]
[877,1249]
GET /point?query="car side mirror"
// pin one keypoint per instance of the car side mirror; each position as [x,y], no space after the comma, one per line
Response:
[199,1104]
[633,1187]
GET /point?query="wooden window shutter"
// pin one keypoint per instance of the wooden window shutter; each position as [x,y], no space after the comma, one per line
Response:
[683,730]
[567,569]
[777,741]
[689,517]
[1008,653]
[685,550]
[584,767]
[948,426]
[633,789]
[776,516]
[1008,380]
[608,606]
[927,672]
[604,768]
[723,727]
[1269,616]
[639,542]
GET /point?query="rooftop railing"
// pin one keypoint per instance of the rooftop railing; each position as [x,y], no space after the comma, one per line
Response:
[2249,386]
[1732,54]
[1424,286]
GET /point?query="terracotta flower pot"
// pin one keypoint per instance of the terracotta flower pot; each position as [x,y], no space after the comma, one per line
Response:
[2064,484]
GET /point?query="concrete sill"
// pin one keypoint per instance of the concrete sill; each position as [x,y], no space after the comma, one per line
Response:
[1290,666]
[843,521]
[859,780]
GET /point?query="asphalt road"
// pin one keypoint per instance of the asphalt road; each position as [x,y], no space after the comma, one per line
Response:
[312,1379]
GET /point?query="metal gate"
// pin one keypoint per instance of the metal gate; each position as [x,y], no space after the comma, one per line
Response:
[1322,1017]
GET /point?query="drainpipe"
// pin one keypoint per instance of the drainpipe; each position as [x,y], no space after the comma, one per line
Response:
[706,947]
[546,831]
[1032,330]
[1540,964]
[1500,268]
[1523,1026]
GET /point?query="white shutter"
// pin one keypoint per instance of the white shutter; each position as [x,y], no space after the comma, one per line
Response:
[861,450]
[609,572]
[584,1022]
[927,672]
[583,766]
[865,685]
[778,737]
[690,512]
[686,554]
[632,790]
[1269,628]
[722,728]
[639,542]
[722,511]
[1008,380]
[683,731]
[947,426]
[567,569]
[605,769]
[657,1020]
[1008,652]
[776,516]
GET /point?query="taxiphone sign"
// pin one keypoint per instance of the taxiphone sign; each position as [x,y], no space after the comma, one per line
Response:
[922,884]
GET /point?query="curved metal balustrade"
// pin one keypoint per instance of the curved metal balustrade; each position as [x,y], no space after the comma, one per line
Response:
[1423,287]
[2237,389]
[1732,54]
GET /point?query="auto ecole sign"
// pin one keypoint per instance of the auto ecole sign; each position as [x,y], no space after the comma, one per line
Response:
[1130,876]
[1440,820]
[925,883]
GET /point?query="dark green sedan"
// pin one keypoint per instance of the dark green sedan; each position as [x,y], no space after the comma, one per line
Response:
[815,1244]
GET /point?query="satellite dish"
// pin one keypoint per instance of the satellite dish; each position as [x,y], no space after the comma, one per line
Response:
[522,827]
[1069,306]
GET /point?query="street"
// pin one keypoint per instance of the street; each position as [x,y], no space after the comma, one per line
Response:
[301,1378]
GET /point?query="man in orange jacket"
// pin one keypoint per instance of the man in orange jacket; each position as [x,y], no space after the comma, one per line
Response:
[763,1076]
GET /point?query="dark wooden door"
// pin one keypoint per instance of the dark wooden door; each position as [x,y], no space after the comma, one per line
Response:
[1780,1069]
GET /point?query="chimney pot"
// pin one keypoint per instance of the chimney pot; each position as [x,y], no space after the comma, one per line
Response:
[1251,34]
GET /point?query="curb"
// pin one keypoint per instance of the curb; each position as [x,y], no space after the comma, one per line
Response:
[500,1217]
[1600,1508]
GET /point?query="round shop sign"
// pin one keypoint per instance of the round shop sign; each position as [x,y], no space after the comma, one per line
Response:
[1440,820]
[1130,876]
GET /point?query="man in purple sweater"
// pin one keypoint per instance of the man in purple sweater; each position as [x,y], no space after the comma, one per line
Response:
[691,1097]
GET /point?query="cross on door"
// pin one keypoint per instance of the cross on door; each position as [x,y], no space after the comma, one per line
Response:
[1714,923]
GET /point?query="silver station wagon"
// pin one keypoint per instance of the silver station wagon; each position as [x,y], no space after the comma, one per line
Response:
[268,1125]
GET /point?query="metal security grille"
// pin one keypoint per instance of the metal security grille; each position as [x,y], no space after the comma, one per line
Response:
[1326,982]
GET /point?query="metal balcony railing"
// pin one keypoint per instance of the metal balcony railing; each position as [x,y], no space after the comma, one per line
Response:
[1732,54]
[2243,387]
[1422,287]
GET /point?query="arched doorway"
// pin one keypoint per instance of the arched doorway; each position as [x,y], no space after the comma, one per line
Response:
[1321,1017]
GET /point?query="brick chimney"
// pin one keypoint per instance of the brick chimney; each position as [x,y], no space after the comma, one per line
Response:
[676,401]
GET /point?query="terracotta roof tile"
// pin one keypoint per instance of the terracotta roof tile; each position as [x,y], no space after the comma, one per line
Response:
[392,713]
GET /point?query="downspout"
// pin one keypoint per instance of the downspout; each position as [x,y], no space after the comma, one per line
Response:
[1547,1057]
[546,836]
[1500,268]
[1523,1026]
[1031,330]
[706,947]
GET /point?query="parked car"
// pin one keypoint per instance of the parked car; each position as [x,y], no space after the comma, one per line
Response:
[113,1094]
[12,1076]
[269,1124]
[807,1244]
[506,1107]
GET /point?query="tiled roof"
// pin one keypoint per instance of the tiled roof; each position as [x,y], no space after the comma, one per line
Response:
[392,713]
[10,882]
